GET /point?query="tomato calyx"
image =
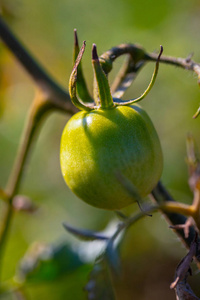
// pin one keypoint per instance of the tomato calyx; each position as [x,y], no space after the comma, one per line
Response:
[81,86]
[103,93]
[103,99]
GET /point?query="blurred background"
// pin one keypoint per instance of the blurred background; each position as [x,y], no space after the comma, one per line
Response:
[150,251]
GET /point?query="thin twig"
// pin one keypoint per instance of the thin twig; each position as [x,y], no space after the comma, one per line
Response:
[185,63]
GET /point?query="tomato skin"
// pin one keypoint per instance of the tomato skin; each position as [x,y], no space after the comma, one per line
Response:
[98,145]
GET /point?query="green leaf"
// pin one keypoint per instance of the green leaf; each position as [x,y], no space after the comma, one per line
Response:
[47,262]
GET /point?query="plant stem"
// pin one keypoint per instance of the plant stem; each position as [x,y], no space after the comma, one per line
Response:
[39,107]
[185,63]
[7,217]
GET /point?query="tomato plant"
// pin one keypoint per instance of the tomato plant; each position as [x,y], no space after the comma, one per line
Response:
[106,140]
[115,148]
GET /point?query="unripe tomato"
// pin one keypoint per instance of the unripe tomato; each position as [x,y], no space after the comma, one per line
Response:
[106,140]
[98,145]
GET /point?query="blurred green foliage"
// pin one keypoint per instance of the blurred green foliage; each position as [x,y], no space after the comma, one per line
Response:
[150,250]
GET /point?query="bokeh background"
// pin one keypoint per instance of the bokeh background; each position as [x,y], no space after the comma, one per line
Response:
[150,251]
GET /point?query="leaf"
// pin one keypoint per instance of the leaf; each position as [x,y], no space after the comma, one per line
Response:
[84,234]
[99,286]
[47,262]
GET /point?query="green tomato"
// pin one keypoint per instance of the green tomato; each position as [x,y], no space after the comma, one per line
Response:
[98,145]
